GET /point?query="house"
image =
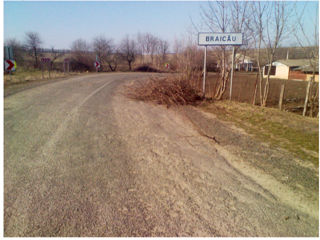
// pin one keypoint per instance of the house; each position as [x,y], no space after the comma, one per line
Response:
[243,63]
[292,69]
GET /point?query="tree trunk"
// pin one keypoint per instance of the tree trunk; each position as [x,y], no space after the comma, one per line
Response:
[267,84]
[313,101]
[129,62]
[35,58]
[255,90]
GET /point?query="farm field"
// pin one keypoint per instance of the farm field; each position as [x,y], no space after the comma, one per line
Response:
[244,86]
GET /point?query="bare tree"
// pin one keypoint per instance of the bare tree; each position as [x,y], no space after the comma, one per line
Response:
[81,55]
[33,43]
[54,56]
[154,47]
[80,47]
[103,48]
[277,27]
[141,46]
[310,45]
[163,49]
[17,48]
[128,50]
[224,17]
[256,27]
[113,60]
[147,45]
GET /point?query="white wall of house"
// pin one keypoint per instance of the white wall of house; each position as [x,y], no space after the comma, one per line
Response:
[282,71]
[309,76]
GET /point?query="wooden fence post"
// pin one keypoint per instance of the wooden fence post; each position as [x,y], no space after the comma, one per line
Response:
[306,99]
[281,94]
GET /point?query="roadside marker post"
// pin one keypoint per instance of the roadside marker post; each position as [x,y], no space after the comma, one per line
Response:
[9,64]
[219,39]
[97,65]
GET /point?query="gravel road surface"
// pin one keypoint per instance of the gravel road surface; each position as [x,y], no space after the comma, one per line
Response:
[81,159]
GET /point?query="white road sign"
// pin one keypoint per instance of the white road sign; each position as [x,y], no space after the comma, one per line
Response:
[215,39]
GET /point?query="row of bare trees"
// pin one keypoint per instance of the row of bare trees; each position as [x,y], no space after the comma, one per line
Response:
[265,27]
[150,49]
[151,46]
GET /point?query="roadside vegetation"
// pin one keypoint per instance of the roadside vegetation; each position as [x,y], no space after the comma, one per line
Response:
[286,130]
[265,26]
[31,75]
[168,90]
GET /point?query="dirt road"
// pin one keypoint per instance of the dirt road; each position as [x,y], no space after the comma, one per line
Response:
[81,159]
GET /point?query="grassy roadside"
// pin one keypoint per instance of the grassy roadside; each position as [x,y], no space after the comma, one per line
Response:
[297,134]
[23,80]
[23,76]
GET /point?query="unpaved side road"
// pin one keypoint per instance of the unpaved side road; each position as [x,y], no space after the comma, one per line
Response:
[81,159]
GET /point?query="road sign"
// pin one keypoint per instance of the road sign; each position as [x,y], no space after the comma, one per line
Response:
[45,60]
[8,53]
[10,65]
[218,39]
[97,64]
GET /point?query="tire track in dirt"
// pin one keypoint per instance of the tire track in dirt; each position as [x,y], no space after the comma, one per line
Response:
[199,192]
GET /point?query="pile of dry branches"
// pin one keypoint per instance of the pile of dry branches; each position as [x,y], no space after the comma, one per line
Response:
[171,90]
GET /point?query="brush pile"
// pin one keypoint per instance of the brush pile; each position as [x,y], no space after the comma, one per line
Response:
[170,90]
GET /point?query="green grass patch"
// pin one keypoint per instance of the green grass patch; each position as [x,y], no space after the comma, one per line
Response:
[299,135]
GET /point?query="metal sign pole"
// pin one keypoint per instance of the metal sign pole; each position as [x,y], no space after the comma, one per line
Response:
[204,72]
[231,72]
[10,53]
[6,53]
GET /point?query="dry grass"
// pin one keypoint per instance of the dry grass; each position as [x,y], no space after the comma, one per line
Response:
[170,90]
[24,75]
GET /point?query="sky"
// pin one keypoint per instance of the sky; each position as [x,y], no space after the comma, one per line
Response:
[60,23]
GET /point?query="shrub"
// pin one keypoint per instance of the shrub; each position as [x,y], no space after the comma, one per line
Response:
[145,68]
[170,90]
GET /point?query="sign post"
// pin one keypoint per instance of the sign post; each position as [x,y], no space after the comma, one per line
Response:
[9,64]
[219,39]
[231,78]
[204,72]
[97,65]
